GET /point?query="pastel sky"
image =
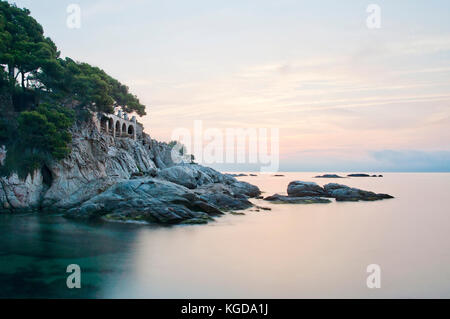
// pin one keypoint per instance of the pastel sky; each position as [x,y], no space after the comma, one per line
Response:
[345,97]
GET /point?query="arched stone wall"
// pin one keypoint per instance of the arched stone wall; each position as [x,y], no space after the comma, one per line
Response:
[104,121]
[111,126]
[116,126]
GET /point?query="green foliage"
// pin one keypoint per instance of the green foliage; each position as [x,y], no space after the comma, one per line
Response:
[45,94]
[46,129]
[91,87]
[40,135]
[6,130]
[31,61]
[23,49]
[22,161]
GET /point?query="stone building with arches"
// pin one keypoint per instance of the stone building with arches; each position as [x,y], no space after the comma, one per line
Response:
[118,125]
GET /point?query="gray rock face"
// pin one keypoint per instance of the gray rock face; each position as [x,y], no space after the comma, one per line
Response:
[21,195]
[193,175]
[346,193]
[302,189]
[146,199]
[123,179]
[156,200]
[281,199]
[308,192]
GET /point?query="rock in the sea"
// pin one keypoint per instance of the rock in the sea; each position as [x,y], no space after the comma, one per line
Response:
[122,179]
[310,192]
[361,175]
[237,175]
[281,199]
[346,193]
[302,189]
[329,176]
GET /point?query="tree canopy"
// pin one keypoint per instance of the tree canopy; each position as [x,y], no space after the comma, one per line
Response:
[32,62]
[42,94]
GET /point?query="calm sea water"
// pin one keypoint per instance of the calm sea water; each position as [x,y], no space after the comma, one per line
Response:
[292,251]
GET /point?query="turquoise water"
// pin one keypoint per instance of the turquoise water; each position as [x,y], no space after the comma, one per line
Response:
[292,251]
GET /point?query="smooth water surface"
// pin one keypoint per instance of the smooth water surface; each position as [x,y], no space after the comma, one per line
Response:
[292,251]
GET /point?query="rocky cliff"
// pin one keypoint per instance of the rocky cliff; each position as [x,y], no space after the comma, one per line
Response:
[123,179]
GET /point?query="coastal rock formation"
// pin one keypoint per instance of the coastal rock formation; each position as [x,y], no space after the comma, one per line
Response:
[329,176]
[345,193]
[363,175]
[302,189]
[22,194]
[122,178]
[281,199]
[310,192]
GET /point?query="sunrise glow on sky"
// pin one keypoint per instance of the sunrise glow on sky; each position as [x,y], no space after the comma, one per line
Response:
[345,97]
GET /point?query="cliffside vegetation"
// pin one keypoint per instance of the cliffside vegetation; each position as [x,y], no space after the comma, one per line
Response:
[43,94]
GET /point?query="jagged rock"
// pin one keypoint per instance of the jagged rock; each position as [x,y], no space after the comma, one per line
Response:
[302,189]
[281,199]
[156,200]
[121,179]
[346,193]
[21,194]
[309,192]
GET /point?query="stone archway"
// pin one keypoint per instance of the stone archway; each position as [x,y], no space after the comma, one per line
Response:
[117,126]
[124,129]
[111,126]
[104,124]
[131,131]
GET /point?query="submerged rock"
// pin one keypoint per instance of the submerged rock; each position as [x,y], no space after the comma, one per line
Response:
[281,199]
[358,175]
[363,175]
[328,176]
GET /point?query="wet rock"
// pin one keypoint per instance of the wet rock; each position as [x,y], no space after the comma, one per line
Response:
[281,199]
[302,189]
[346,193]
[122,179]
[237,213]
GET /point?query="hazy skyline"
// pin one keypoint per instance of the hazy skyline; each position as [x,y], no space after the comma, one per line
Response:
[345,97]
